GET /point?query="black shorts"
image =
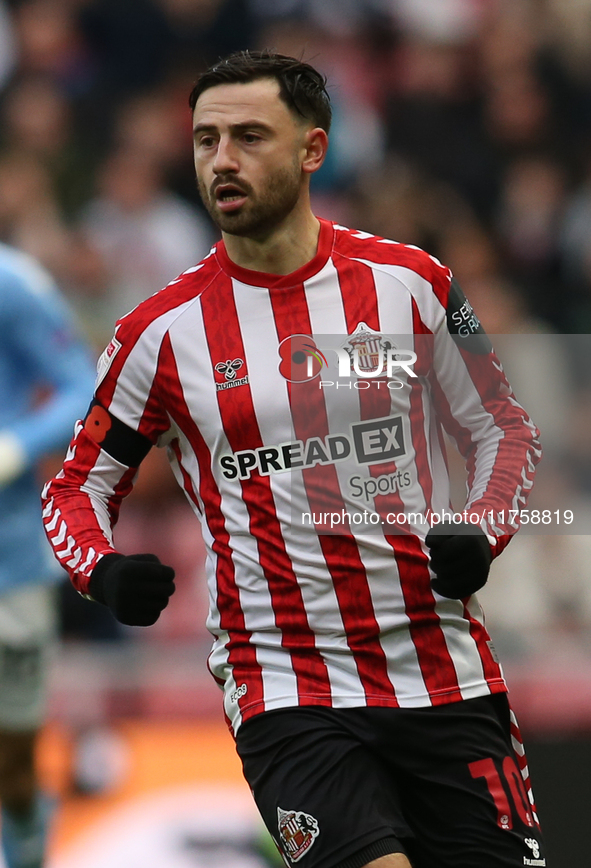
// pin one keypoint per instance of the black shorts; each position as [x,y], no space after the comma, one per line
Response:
[338,788]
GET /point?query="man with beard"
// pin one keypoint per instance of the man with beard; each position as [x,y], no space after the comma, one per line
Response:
[368,705]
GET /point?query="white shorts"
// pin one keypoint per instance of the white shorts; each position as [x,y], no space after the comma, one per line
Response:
[28,626]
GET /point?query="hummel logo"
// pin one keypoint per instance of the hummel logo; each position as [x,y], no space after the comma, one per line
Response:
[535,849]
[229,368]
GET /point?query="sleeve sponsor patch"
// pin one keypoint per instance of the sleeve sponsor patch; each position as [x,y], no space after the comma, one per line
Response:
[121,442]
[463,324]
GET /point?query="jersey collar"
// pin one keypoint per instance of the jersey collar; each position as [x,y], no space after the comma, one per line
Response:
[281,281]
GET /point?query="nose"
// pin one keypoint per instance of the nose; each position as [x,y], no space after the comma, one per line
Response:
[225,158]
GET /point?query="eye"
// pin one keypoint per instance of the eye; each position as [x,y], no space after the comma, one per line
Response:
[206,142]
[251,138]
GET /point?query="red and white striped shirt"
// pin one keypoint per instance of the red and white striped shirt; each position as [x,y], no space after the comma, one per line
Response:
[234,371]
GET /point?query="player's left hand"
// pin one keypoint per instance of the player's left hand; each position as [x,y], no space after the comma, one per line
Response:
[460,559]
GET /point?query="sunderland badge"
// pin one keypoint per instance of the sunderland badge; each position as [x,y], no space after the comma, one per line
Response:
[297,832]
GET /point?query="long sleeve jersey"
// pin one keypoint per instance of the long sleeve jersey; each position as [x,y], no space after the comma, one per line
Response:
[46,373]
[304,416]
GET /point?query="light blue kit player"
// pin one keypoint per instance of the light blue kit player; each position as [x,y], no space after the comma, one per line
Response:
[46,376]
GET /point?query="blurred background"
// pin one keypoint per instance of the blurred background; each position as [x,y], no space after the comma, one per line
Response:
[461,126]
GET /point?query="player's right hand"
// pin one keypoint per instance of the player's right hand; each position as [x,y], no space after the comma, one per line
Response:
[136,588]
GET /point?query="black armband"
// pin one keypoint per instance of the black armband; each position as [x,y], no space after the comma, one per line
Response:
[121,442]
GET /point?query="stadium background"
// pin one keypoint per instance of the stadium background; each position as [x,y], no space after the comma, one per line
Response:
[463,126]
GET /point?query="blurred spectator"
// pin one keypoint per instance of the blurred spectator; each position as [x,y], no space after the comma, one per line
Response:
[568,30]
[337,17]
[449,21]
[576,256]
[393,201]
[528,220]
[51,44]
[205,30]
[145,234]
[159,124]
[344,60]
[129,44]
[38,121]
[29,215]
[45,379]
[435,102]
[155,124]
[517,114]
[8,51]
[547,578]
[579,440]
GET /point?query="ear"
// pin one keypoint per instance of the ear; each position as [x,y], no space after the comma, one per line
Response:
[316,145]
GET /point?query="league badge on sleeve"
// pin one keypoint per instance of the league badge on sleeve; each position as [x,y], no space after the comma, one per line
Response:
[297,832]
[106,360]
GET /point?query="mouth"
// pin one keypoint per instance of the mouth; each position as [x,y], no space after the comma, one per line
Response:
[229,197]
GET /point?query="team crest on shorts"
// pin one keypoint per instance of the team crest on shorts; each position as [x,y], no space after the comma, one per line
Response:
[297,832]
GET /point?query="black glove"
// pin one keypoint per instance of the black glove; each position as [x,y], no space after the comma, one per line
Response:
[460,559]
[136,588]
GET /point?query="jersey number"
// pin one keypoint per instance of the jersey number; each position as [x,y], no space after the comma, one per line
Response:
[486,769]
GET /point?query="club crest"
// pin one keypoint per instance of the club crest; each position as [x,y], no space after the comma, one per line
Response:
[369,347]
[297,832]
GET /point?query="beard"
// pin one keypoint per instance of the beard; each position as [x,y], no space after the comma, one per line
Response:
[262,212]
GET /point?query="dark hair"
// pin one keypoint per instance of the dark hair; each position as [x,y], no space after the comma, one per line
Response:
[301,87]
